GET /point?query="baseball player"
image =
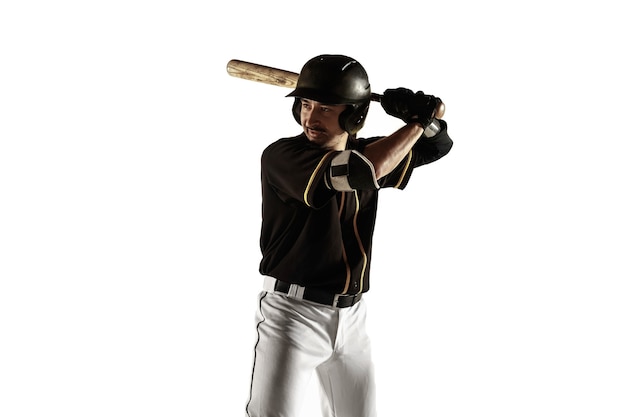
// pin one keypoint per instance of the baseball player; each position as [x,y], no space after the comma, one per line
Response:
[320,191]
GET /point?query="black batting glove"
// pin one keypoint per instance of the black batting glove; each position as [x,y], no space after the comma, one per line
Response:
[397,103]
[410,107]
[423,108]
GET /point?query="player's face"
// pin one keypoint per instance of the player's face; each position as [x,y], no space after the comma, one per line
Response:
[321,124]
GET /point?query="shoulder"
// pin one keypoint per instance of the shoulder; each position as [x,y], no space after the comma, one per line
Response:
[285,144]
[358,144]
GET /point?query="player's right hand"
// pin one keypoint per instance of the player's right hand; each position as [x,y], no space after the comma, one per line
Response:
[410,107]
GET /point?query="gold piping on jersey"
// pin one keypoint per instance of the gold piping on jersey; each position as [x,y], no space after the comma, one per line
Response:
[404,171]
[343,247]
[312,177]
[358,238]
[361,248]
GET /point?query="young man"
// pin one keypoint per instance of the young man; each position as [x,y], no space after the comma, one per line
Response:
[320,192]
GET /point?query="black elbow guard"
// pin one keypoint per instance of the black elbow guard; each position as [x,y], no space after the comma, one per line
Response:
[351,170]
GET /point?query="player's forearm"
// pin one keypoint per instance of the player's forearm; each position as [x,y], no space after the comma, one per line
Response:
[385,154]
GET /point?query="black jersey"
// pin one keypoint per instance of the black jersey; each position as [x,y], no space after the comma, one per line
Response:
[314,236]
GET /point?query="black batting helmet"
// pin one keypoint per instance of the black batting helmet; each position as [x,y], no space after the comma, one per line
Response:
[335,79]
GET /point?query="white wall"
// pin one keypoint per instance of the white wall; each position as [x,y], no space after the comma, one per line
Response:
[130,204]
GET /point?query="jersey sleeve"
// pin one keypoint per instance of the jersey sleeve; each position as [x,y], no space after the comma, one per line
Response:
[295,170]
[428,150]
[425,151]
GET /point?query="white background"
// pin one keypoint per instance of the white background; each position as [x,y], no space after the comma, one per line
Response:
[130,204]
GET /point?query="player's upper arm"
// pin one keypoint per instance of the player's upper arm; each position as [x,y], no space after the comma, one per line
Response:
[351,170]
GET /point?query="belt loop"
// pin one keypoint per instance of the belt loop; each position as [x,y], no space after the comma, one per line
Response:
[336,300]
[269,284]
[296,291]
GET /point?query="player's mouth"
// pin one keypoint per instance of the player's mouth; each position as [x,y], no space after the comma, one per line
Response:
[315,131]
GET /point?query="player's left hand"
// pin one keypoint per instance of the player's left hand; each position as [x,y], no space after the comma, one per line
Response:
[397,103]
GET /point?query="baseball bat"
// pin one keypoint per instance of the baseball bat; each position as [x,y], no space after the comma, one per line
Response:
[274,76]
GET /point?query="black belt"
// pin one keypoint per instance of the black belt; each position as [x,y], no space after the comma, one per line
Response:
[320,297]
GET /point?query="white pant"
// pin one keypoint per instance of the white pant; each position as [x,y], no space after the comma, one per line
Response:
[297,338]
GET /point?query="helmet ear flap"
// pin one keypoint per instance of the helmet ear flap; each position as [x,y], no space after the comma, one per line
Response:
[353,118]
[295,109]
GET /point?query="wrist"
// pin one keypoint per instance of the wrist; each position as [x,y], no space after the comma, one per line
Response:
[431,129]
[417,121]
[415,128]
